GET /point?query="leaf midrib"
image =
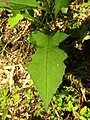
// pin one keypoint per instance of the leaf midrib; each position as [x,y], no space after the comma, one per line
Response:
[47,48]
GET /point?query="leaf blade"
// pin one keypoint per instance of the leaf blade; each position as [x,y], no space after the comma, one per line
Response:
[47,67]
[60,4]
[32,3]
[19,4]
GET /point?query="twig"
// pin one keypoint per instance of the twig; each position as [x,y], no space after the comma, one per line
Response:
[56,111]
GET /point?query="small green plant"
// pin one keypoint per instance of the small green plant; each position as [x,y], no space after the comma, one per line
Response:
[47,65]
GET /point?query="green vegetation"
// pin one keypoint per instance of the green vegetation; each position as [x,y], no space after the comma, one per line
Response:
[49,39]
[48,59]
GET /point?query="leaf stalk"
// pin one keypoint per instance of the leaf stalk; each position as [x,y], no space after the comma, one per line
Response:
[51,15]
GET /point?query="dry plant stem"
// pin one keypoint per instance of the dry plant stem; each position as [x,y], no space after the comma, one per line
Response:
[11,77]
[46,3]
[58,117]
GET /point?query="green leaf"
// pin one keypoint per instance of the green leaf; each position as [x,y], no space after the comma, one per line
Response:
[2,105]
[75,107]
[87,4]
[47,67]
[59,4]
[24,2]
[19,4]
[48,2]
[64,10]
[3,4]
[82,118]
[31,3]
[83,110]
[4,114]
[69,106]
[16,97]
[13,20]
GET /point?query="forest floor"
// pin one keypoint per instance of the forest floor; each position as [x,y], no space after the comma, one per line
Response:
[19,100]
